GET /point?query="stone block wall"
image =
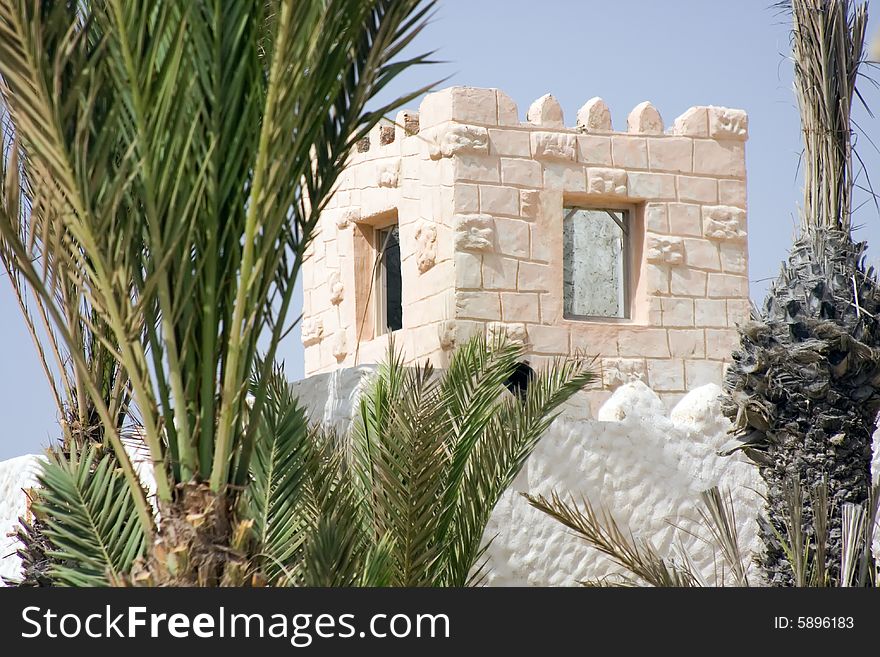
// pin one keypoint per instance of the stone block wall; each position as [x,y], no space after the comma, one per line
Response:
[479,196]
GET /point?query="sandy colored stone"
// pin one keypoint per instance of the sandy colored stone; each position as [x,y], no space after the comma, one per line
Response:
[517,171]
[546,111]
[645,119]
[702,254]
[510,143]
[496,199]
[724,223]
[474,232]
[721,158]
[687,282]
[726,123]
[554,146]
[665,250]
[594,116]
[656,186]
[685,219]
[594,150]
[697,190]
[674,154]
[678,312]
[607,182]
[687,343]
[629,152]
[710,312]
[693,123]
[478,305]
[426,246]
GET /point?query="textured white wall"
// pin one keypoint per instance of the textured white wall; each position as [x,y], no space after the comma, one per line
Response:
[637,459]
[15,475]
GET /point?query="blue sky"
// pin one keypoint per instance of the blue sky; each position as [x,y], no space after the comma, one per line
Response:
[675,53]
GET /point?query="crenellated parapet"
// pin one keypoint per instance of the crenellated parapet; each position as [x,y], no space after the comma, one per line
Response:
[478,193]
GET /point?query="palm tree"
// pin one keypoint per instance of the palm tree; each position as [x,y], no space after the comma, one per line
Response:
[164,171]
[802,389]
[402,499]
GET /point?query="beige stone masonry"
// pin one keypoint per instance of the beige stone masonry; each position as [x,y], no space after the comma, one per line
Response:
[478,194]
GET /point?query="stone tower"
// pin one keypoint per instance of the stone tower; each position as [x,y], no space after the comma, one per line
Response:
[627,245]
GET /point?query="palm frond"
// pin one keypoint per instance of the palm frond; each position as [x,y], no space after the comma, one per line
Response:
[515,426]
[718,516]
[279,486]
[828,39]
[605,535]
[853,533]
[400,454]
[90,519]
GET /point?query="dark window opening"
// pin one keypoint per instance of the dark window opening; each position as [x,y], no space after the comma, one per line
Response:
[519,380]
[390,297]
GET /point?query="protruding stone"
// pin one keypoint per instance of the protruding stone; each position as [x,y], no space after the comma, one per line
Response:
[406,123]
[546,111]
[726,123]
[594,116]
[312,331]
[620,371]
[665,250]
[645,119]
[446,334]
[474,232]
[382,133]
[347,217]
[508,114]
[461,139]
[363,144]
[529,203]
[607,182]
[339,345]
[426,246]
[723,222]
[513,333]
[337,289]
[693,123]
[554,146]
[388,173]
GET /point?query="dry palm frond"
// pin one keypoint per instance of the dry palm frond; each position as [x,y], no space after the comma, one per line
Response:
[828,39]
[821,512]
[718,516]
[854,520]
[604,534]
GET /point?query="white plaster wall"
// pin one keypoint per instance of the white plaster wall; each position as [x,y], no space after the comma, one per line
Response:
[645,464]
[15,475]
[637,460]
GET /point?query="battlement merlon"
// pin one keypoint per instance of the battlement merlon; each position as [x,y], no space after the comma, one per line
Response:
[476,193]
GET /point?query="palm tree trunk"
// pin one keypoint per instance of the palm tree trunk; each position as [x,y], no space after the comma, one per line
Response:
[803,388]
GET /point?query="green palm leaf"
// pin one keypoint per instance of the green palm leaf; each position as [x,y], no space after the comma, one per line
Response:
[90,519]
[279,496]
[401,454]
[433,452]
[512,431]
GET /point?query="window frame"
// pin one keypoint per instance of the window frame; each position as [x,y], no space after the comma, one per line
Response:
[380,281]
[629,229]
